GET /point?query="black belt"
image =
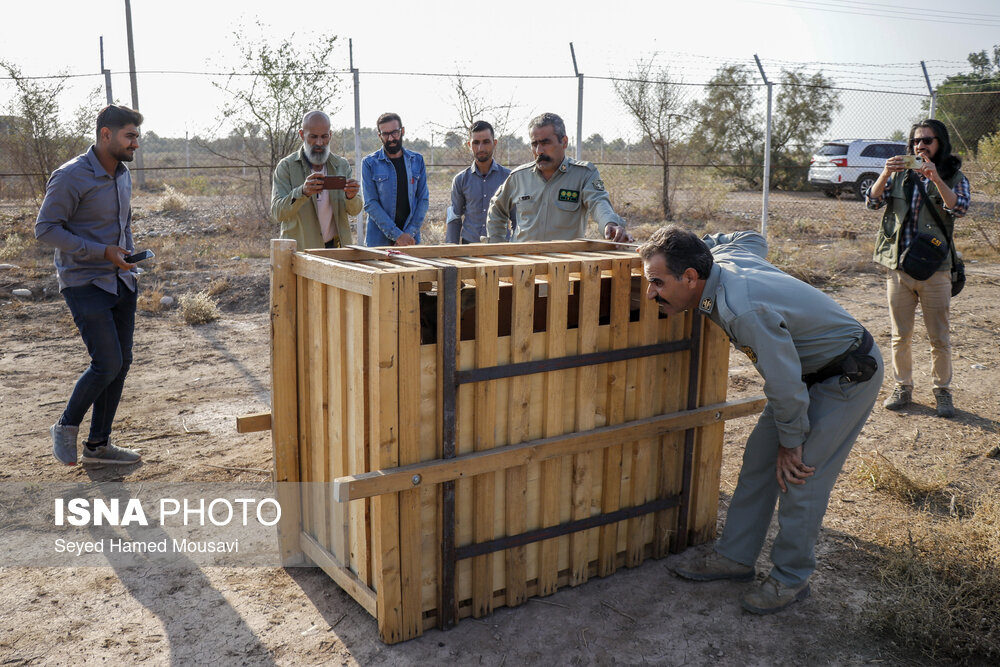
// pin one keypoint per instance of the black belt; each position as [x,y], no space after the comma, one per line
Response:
[851,365]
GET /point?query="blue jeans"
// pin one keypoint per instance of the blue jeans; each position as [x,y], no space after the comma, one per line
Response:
[106,322]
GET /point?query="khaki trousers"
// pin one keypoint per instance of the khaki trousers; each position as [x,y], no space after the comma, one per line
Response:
[934,297]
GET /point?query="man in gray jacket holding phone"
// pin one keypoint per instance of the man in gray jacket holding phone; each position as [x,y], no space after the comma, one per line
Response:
[87,216]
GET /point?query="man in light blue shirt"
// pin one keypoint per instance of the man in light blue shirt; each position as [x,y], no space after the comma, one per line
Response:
[394,186]
[87,216]
[822,373]
[473,188]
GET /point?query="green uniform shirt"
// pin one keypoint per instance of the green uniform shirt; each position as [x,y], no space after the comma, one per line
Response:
[553,210]
[785,327]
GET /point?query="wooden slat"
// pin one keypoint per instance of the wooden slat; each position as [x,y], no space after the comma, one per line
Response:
[714,381]
[555,346]
[471,250]
[355,326]
[343,577]
[305,453]
[642,452]
[284,400]
[254,422]
[465,466]
[588,322]
[384,426]
[522,326]
[674,371]
[316,372]
[337,396]
[409,452]
[621,276]
[352,277]
[484,486]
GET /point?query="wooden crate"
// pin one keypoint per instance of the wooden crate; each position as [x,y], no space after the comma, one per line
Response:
[459,428]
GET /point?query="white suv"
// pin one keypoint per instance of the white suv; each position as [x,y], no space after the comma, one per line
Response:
[851,164]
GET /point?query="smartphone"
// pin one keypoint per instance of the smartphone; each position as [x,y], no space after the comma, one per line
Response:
[913,162]
[334,182]
[139,256]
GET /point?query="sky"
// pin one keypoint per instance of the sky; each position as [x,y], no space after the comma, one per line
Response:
[859,44]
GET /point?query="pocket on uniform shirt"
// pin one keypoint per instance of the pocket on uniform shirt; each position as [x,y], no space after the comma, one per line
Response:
[569,206]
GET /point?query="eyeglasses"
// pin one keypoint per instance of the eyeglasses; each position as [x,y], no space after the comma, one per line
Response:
[391,135]
[927,141]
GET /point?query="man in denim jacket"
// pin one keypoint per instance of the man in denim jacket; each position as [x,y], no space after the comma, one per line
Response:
[394,185]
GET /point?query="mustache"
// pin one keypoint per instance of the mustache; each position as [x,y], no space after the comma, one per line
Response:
[660,300]
[543,158]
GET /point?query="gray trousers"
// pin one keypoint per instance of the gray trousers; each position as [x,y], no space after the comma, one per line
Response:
[837,412]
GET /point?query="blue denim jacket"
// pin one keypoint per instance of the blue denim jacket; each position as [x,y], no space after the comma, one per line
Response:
[378,185]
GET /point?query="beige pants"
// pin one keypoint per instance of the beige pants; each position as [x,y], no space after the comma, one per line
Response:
[934,297]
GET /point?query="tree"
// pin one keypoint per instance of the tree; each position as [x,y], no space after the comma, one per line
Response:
[653,103]
[969,104]
[732,124]
[271,88]
[472,105]
[36,139]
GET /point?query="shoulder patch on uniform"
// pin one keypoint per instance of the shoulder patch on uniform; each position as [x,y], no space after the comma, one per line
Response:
[707,303]
[598,184]
[747,350]
[571,196]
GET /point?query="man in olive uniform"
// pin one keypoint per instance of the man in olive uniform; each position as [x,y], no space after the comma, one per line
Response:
[822,373]
[307,212]
[553,194]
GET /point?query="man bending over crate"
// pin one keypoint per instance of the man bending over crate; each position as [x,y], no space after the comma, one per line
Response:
[822,372]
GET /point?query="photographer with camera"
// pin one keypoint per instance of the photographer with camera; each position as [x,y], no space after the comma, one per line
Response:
[923,192]
[313,193]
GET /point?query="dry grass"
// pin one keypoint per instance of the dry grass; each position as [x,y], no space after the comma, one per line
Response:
[13,246]
[939,586]
[149,298]
[882,475]
[198,308]
[218,286]
[171,200]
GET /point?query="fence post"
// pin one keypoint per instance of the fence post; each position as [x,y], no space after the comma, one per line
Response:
[107,76]
[357,136]
[579,104]
[933,93]
[767,151]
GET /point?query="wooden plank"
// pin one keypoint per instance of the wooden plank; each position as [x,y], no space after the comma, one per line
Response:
[336,429]
[674,371]
[383,425]
[484,486]
[714,381]
[359,542]
[465,466]
[253,422]
[471,250]
[582,485]
[352,277]
[516,511]
[316,373]
[555,346]
[642,451]
[284,400]
[621,276]
[409,453]
[305,453]
[343,577]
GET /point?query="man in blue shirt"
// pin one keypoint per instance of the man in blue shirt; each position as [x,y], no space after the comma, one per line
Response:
[394,185]
[822,373]
[473,188]
[87,216]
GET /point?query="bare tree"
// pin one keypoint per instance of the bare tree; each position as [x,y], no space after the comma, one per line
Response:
[653,102]
[37,140]
[273,85]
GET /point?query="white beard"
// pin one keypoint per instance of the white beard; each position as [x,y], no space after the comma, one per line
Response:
[315,159]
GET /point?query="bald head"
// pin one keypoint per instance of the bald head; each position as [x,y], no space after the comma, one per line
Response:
[315,134]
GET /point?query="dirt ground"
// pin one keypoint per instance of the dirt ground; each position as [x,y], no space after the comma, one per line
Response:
[187,384]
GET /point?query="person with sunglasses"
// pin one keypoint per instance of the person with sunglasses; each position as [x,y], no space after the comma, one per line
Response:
[919,201]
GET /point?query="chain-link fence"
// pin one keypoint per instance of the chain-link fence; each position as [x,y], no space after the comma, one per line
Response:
[704,143]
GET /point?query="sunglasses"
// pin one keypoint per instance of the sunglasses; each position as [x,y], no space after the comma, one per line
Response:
[927,141]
